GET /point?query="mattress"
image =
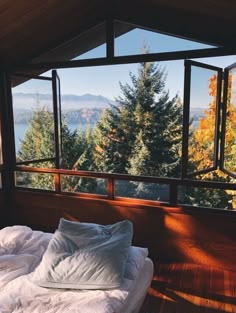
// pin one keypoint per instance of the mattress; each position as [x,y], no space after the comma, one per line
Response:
[21,250]
[138,293]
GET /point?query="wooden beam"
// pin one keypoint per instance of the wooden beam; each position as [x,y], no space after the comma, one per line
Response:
[152,57]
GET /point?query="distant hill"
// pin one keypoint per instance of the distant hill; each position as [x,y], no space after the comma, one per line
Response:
[27,101]
[196,113]
[80,110]
[79,117]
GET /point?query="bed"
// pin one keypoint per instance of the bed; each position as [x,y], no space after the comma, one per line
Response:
[22,251]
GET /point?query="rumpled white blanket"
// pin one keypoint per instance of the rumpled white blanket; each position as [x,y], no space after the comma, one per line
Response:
[21,250]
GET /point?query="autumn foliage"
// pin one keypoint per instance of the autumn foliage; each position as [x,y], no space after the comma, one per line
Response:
[202,145]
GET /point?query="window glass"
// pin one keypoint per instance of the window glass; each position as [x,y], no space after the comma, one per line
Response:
[207,197]
[34,120]
[130,39]
[230,127]
[34,180]
[202,119]
[123,119]
[84,185]
[141,190]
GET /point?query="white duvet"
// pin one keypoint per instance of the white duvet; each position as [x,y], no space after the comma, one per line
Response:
[21,250]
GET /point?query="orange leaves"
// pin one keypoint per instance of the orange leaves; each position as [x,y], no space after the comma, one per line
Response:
[213,85]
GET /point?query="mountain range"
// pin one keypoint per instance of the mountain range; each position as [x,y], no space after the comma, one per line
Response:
[80,110]
[84,109]
[27,101]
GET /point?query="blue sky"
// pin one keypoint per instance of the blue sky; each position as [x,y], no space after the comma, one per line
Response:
[104,80]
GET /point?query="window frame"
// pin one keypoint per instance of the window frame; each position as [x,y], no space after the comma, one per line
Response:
[56,104]
[186,115]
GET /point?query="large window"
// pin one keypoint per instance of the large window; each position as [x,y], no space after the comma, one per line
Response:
[127,129]
[144,129]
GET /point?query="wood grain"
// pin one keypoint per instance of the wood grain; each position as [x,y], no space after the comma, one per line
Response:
[198,236]
[191,288]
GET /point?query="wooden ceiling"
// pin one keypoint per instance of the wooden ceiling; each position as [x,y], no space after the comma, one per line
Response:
[30,28]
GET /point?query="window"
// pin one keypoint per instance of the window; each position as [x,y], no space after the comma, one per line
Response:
[37,120]
[134,38]
[212,144]
[201,113]
[145,130]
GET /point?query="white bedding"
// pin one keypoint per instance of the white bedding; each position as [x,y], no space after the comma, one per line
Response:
[21,250]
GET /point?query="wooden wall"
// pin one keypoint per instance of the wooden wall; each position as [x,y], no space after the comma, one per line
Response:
[171,234]
[3,209]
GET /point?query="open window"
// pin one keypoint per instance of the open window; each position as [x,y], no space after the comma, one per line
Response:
[37,119]
[209,127]
[228,142]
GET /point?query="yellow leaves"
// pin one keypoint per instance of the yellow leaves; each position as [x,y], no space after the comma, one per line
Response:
[212,85]
[98,149]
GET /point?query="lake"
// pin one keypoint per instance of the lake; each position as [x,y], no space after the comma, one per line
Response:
[20,130]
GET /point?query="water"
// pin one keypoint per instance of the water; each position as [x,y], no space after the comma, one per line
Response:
[20,130]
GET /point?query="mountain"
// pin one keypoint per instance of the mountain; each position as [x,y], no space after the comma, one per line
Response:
[196,113]
[27,101]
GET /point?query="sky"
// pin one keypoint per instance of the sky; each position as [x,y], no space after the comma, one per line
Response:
[104,80]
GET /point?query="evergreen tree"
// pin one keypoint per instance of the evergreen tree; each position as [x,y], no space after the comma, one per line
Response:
[110,154]
[85,162]
[142,135]
[38,143]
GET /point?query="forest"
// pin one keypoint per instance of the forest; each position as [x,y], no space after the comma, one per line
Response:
[139,135]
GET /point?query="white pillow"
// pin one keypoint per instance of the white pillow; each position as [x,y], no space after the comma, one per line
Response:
[135,261]
[85,256]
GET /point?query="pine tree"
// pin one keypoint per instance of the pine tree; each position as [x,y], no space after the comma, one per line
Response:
[85,162]
[111,145]
[38,143]
[142,134]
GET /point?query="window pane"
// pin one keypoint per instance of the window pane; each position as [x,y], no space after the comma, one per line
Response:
[33,120]
[140,190]
[124,126]
[131,39]
[206,197]
[230,131]
[83,185]
[202,120]
[34,180]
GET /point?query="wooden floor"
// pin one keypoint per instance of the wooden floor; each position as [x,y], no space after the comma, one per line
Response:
[190,288]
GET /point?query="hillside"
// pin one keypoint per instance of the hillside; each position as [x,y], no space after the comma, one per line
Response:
[80,110]
[85,109]
[27,101]
[80,116]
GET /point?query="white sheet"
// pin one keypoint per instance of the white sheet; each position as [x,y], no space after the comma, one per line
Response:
[21,250]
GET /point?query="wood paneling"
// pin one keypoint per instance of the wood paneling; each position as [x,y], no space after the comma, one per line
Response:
[34,27]
[3,210]
[29,29]
[206,21]
[172,235]
[190,288]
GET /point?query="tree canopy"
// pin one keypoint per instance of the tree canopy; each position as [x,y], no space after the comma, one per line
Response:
[142,134]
